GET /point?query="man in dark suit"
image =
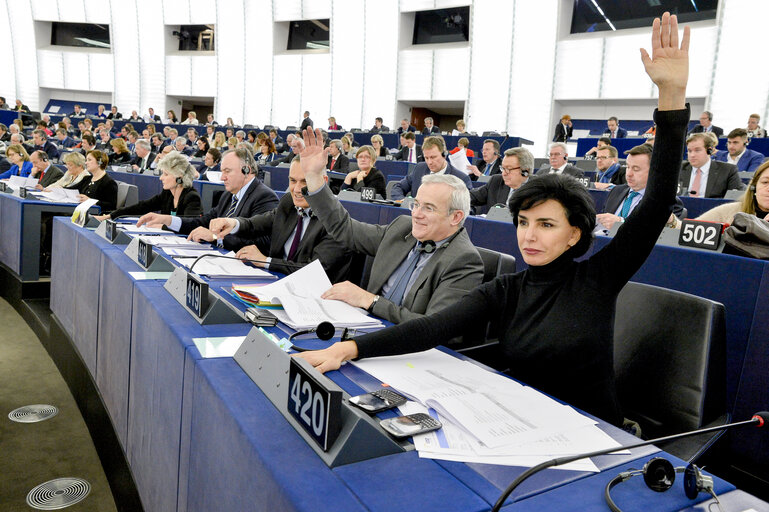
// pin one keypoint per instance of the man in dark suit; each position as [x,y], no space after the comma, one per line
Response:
[42,169]
[559,163]
[277,140]
[563,129]
[40,142]
[421,264]
[490,162]
[65,140]
[306,121]
[623,199]
[337,161]
[738,154]
[291,245]
[704,177]
[151,116]
[613,129]
[411,151]
[406,127]
[114,114]
[88,143]
[379,127]
[430,128]
[295,144]
[180,145]
[433,149]
[608,171]
[244,195]
[706,125]
[78,112]
[144,156]
[517,166]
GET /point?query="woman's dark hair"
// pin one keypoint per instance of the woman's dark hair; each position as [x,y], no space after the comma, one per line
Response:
[573,196]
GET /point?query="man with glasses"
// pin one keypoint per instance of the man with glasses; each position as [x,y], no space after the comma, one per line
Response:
[559,163]
[608,171]
[421,264]
[706,125]
[516,167]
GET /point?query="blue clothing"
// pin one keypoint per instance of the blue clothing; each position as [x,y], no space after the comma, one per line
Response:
[748,162]
[605,177]
[410,184]
[26,170]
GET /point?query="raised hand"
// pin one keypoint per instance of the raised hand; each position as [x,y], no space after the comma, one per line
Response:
[313,159]
[668,66]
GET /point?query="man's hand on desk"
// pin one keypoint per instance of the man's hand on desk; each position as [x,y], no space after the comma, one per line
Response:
[314,159]
[251,252]
[607,220]
[332,357]
[201,234]
[351,294]
[154,220]
[603,186]
[222,226]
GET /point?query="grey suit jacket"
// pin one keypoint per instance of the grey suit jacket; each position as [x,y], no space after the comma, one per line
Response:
[52,175]
[722,176]
[451,272]
[571,170]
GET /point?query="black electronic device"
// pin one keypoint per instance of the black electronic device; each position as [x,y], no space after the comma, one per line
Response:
[379,400]
[261,317]
[23,192]
[197,294]
[367,194]
[410,425]
[144,254]
[316,407]
[3,187]
[110,230]
[700,233]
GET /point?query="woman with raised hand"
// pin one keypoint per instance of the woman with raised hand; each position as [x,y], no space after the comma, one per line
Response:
[549,339]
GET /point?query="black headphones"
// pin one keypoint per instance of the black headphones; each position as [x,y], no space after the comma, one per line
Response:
[524,173]
[179,180]
[710,150]
[659,475]
[325,331]
[245,170]
[44,157]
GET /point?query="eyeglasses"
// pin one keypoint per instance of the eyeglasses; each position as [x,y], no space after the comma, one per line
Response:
[551,155]
[426,208]
[603,158]
[509,170]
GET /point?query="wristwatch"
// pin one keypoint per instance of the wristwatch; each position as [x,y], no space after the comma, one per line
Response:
[373,303]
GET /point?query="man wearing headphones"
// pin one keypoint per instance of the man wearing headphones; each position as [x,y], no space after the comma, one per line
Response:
[244,196]
[433,150]
[43,170]
[517,166]
[490,164]
[703,177]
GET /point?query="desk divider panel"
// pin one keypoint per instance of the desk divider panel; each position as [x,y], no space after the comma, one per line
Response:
[360,438]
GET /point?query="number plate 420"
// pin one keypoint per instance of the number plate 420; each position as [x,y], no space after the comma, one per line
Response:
[702,234]
[314,406]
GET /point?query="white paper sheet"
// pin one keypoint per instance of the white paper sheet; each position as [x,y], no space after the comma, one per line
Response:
[459,161]
[17,182]
[80,214]
[214,176]
[213,267]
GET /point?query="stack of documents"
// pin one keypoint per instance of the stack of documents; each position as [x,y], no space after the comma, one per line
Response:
[214,266]
[300,292]
[60,195]
[17,182]
[486,416]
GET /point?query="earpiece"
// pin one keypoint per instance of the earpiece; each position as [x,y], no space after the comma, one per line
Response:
[752,188]
[245,170]
[710,150]
[324,330]
[524,173]
[179,180]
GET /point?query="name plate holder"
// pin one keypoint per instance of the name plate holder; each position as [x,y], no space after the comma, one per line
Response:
[205,305]
[670,237]
[110,231]
[142,254]
[358,435]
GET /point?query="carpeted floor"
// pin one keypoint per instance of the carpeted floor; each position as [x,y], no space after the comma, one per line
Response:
[31,454]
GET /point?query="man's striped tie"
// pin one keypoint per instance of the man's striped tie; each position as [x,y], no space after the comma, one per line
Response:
[233,206]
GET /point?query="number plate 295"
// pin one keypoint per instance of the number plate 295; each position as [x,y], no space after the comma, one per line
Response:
[314,406]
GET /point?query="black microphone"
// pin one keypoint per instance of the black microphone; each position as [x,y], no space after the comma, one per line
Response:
[295,266]
[758,419]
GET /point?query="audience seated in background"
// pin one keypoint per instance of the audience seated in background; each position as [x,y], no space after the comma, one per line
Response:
[563,129]
[602,142]
[411,151]
[347,148]
[489,163]
[613,129]
[166,150]
[306,121]
[755,201]
[463,145]
[192,136]
[87,143]
[367,175]
[559,163]
[517,165]
[114,114]
[350,136]
[623,199]
[703,177]
[295,144]
[120,153]
[244,196]
[135,116]
[406,127]
[754,130]
[460,129]
[202,147]
[65,140]
[210,121]
[3,104]
[229,122]
[20,107]
[294,234]
[78,112]
[180,145]
[5,136]
[43,170]
[267,152]
[178,197]
[40,142]
[100,112]
[75,175]
[151,116]
[378,143]
[42,125]
[430,128]
[211,162]
[171,118]
[20,164]
[192,118]
[220,141]
[337,161]
[608,171]
[277,140]
[332,124]
[379,127]
[433,149]
[738,154]
[99,185]
[706,125]
[144,156]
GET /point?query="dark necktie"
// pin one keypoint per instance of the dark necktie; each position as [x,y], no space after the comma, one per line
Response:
[398,290]
[233,207]
[297,237]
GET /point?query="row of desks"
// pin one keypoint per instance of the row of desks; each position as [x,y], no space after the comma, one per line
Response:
[586,144]
[200,435]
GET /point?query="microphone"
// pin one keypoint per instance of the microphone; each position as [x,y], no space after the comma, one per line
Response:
[759,419]
[295,266]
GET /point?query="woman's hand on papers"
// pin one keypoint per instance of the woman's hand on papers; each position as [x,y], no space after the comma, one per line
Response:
[252,252]
[82,197]
[332,357]
[100,217]
[201,234]
[351,294]
[314,159]
[222,226]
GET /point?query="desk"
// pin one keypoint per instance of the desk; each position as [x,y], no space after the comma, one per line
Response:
[149,185]
[199,434]
[622,145]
